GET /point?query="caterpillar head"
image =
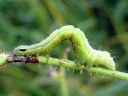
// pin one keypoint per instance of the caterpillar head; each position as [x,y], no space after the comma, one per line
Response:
[3,58]
[21,49]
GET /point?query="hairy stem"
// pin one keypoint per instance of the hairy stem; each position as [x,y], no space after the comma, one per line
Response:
[72,65]
[64,63]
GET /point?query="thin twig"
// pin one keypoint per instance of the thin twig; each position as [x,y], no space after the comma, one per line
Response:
[68,64]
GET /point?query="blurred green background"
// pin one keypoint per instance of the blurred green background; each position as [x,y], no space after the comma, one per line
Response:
[105,23]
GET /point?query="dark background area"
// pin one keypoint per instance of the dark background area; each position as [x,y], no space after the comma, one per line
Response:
[105,23]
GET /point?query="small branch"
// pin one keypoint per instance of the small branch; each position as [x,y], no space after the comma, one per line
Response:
[68,64]
[109,73]
[72,65]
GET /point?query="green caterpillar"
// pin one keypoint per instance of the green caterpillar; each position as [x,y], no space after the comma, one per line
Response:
[86,54]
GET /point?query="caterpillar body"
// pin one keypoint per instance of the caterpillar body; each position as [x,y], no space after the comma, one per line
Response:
[86,54]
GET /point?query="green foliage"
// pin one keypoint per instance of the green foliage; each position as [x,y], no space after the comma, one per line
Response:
[29,21]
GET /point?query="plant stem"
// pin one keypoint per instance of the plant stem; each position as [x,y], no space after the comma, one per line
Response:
[63,85]
[109,73]
[72,65]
